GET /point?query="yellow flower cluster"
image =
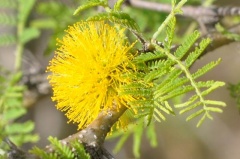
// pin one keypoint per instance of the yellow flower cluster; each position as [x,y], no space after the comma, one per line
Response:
[87,71]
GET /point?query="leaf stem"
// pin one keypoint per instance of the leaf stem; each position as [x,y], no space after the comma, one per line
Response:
[187,73]
[19,49]
[174,11]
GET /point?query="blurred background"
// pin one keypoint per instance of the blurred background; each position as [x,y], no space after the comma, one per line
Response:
[176,138]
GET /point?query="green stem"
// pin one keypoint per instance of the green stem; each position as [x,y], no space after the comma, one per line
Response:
[174,11]
[20,46]
[187,73]
[108,9]
[18,59]
[162,26]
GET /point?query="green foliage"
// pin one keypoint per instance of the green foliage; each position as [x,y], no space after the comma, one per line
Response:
[8,4]
[114,15]
[55,17]
[162,74]
[6,19]
[90,4]
[142,19]
[24,34]
[24,9]
[11,96]
[74,150]
[168,76]
[118,5]
[79,150]
[11,91]
[60,149]
[176,9]
[7,39]
[117,18]
[136,131]
[227,33]
[235,93]
[11,109]
[28,34]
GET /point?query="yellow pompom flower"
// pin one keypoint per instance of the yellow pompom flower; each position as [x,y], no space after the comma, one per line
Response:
[87,71]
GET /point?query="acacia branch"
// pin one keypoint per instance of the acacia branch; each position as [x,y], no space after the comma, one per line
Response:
[38,81]
[93,136]
[188,11]
[207,17]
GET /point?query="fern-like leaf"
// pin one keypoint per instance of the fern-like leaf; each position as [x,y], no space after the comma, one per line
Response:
[192,57]
[117,17]
[8,4]
[117,5]
[137,131]
[199,99]
[11,98]
[227,33]
[90,4]
[25,7]
[170,77]
[79,150]
[137,136]
[175,10]
[235,93]
[62,150]
[158,69]
[6,19]
[29,34]
[17,128]
[170,30]
[7,39]
[73,150]
[205,69]
[166,84]
[186,45]
[149,56]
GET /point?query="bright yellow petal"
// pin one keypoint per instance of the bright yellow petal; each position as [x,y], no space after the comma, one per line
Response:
[87,70]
